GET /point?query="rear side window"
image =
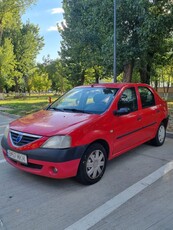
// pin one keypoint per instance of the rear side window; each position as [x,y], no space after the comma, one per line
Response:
[147,97]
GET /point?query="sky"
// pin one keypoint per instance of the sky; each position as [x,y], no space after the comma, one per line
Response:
[46,14]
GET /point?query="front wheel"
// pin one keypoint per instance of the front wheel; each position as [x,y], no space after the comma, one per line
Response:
[92,165]
[160,136]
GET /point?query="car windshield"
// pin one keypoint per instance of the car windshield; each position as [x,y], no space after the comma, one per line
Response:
[85,100]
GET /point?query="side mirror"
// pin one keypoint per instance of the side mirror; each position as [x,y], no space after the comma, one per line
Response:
[122,111]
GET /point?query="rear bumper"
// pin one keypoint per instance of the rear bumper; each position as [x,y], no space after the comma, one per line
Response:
[54,163]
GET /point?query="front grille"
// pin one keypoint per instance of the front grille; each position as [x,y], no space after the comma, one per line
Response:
[21,139]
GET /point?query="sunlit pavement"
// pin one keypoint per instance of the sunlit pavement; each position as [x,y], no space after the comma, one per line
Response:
[31,202]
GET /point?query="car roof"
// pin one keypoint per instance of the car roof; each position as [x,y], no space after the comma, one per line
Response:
[114,85]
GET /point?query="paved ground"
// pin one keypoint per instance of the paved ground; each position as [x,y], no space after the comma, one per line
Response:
[32,203]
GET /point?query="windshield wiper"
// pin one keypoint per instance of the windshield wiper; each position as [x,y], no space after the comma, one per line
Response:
[77,110]
[56,109]
[70,110]
[74,110]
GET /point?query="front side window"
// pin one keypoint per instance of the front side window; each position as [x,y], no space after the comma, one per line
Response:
[147,97]
[128,100]
[86,100]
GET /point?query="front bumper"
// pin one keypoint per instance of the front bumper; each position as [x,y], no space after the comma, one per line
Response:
[54,163]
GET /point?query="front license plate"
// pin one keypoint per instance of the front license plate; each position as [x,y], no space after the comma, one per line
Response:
[17,156]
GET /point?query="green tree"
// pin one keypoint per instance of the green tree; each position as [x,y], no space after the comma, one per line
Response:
[158,29]
[142,29]
[27,43]
[85,35]
[143,26]
[163,71]
[55,71]
[39,82]
[10,13]
[16,40]
[7,63]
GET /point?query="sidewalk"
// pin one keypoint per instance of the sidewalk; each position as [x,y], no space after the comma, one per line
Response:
[4,111]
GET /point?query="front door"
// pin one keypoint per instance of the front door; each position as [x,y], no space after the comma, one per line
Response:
[127,128]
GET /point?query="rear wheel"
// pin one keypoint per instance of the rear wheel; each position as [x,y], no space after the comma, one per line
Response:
[92,165]
[160,136]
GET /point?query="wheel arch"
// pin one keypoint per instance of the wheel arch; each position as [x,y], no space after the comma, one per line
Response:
[165,122]
[104,144]
[83,175]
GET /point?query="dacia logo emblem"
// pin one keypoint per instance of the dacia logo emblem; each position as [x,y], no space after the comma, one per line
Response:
[19,138]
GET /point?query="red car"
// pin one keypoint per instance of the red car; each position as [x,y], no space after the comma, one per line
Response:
[79,132]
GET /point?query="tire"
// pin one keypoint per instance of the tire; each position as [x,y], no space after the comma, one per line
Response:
[160,136]
[92,165]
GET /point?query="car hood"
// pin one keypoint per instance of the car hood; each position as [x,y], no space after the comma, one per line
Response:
[49,123]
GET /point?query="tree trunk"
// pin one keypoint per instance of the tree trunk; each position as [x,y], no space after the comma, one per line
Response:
[25,78]
[1,93]
[16,85]
[1,31]
[128,71]
[167,88]
[29,90]
[1,87]
[96,75]
[82,78]
[145,74]
[156,85]
[97,79]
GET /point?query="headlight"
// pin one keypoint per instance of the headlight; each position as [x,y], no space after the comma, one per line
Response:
[6,131]
[58,142]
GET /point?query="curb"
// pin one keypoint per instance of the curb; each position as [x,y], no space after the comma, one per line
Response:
[169,134]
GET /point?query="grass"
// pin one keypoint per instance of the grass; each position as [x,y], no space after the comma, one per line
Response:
[170,104]
[25,105]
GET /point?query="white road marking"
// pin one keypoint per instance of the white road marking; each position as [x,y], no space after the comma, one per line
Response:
[104,210]
[2,161]
[1,224]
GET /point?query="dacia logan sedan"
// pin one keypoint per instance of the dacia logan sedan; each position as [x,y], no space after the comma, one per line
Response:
[79,132]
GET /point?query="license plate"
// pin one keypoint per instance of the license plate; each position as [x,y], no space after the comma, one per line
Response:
[17,156]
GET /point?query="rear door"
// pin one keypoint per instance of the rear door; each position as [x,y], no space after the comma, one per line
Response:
[149,112]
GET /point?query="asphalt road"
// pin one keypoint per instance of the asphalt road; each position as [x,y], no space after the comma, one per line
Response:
[134,194]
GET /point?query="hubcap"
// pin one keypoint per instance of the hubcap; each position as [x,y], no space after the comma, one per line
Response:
[95,164]
[161,134]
